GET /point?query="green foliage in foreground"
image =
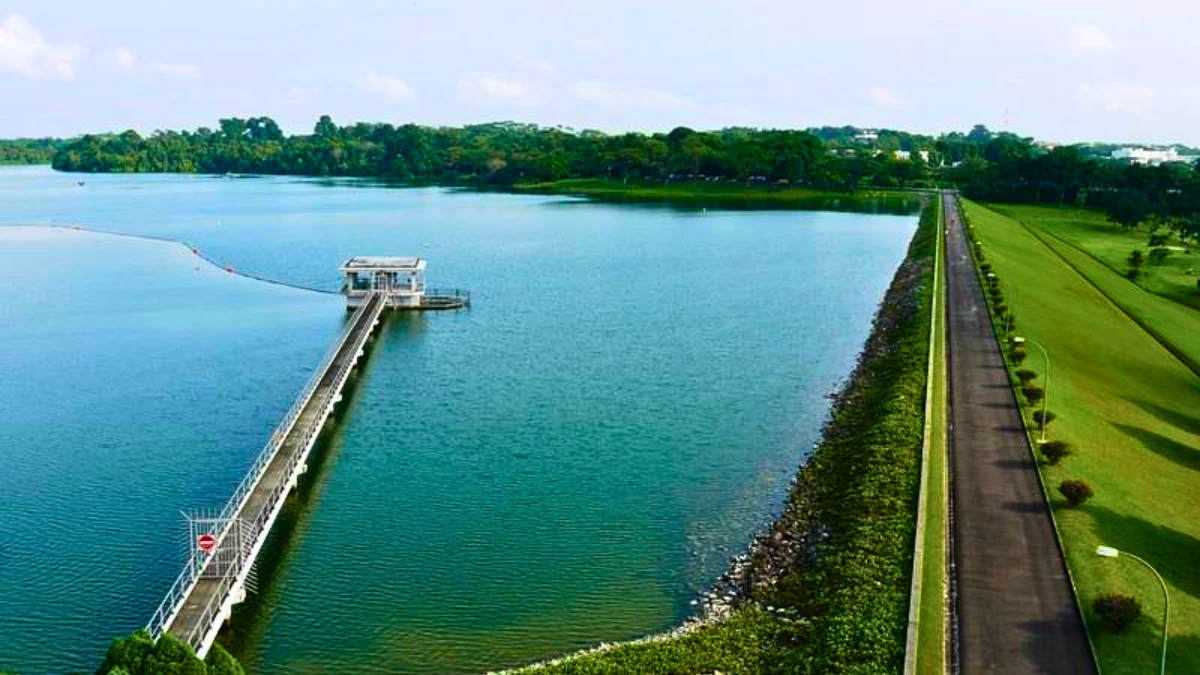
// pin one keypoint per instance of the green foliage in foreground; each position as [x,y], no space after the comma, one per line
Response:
[845,610]
[140,655]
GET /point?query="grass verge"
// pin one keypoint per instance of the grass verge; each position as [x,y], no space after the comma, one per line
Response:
[837,564]
[930,656]
[1128,407]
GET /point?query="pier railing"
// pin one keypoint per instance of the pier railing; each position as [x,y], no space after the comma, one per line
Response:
[197,562]
[448,298]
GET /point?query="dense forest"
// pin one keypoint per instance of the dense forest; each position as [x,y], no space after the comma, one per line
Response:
[983,164]
[28,150]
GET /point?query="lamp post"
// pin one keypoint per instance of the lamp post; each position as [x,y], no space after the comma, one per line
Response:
[1046,392]
[1110,552]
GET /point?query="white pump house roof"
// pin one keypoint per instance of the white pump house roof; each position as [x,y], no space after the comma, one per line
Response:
[373,263]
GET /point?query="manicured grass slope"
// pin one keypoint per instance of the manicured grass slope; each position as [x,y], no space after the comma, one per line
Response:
[1091,232]
[845,605]
[1131,411]
[1171,322]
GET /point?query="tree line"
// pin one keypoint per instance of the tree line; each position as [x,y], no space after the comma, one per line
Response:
[985,165]
[28,150]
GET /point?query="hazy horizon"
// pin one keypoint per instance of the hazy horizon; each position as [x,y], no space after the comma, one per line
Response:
[1074,72]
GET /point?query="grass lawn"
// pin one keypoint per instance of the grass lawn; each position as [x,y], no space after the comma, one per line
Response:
[931,635]
[1172,323]
[1091,232]
[1131,411]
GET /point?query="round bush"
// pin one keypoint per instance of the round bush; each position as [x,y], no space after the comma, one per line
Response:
[1055,451]
[1026,375]
[1117,610]
[1076,491]
[1017,355]
[1033,393]
[1043,419]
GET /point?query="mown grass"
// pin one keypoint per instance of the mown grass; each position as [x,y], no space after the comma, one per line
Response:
[733,195]
[1131,411]
[931,634]
[1091,232]
[842,607]
[1170,322]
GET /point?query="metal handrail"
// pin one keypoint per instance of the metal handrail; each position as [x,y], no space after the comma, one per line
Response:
[259,523]
[195,565]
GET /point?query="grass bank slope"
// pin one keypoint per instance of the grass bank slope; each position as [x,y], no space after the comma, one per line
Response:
[830,579]
[1176,325]
[1091,232]
[1131,411]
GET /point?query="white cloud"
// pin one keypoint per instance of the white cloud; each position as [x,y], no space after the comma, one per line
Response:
[1090,39]
[537,65]
[600,93]
[391,88]
[24,51]
[498,88]
[1117,97]
[124,58]
[605,94]
[886,97]
[587,44]
[175,69]
[665,99]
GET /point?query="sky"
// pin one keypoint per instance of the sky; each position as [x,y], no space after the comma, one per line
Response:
[1061,71]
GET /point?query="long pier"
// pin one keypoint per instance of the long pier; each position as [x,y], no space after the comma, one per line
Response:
[226,545]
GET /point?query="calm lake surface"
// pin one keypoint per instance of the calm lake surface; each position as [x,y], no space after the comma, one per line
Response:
[570,461]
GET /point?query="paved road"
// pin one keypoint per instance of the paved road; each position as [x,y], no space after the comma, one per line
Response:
[1016,610]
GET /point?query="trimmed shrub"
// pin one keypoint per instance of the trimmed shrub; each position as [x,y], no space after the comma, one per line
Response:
[1017,355]
[1033,393]
[1055,452]
[1001,309]
[1038,415]
[1136,258]
[1026,376]
[1117,610]
[1076,491]
[985,267]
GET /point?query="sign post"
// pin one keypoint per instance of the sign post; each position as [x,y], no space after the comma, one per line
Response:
[206,542]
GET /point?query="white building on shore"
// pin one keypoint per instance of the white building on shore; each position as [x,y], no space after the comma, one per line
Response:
[1151,156]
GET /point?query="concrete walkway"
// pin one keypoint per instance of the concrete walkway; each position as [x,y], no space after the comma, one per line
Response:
[1016,612]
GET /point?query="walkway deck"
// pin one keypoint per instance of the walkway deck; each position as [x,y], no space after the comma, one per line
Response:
[205,592]
[1016,610]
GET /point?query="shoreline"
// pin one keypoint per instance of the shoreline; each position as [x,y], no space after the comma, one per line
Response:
[793,541]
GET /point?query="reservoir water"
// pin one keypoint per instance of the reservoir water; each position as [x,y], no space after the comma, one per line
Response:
[568,462]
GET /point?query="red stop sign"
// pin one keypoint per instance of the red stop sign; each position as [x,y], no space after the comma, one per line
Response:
[206,542]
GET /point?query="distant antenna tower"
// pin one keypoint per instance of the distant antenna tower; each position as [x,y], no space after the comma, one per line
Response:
[1006,119]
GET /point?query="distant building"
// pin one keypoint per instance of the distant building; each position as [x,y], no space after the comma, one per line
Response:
[867,135]
[905,155]
[1150,156]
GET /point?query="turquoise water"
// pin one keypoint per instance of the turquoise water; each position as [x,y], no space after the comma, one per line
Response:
[568,462]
